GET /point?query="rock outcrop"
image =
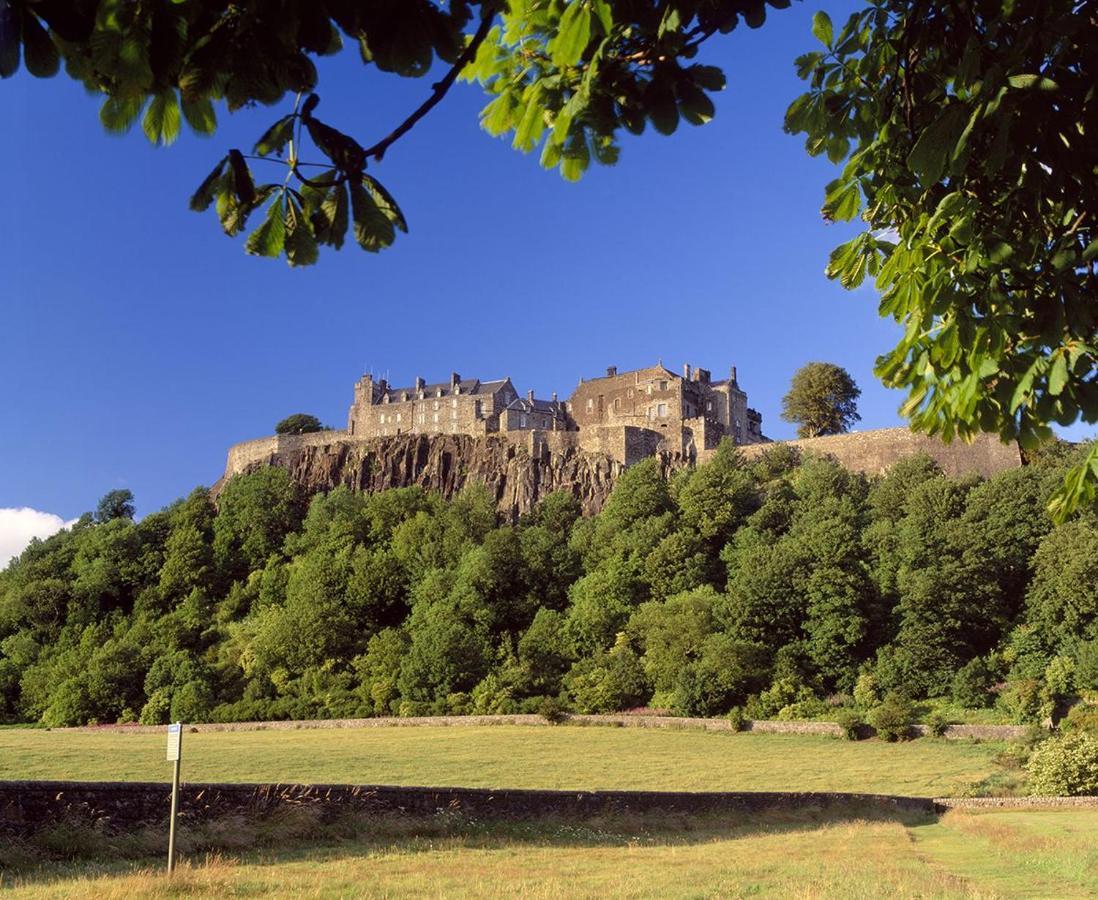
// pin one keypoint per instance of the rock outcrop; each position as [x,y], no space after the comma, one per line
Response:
[516,476]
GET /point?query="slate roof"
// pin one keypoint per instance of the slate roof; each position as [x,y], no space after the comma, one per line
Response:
[467,385]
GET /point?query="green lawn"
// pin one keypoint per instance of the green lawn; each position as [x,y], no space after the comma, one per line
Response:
[567,757]
[986,854]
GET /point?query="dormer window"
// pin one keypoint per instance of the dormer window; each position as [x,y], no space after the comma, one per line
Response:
[438,393]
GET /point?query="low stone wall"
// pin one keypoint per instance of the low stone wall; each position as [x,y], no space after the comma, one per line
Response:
[944,803]
[758,726]
[26,806]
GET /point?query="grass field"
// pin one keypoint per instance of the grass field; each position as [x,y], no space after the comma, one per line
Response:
[512,756]
[1010,854]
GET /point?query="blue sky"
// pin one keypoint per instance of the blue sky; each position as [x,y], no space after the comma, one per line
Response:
[139,343]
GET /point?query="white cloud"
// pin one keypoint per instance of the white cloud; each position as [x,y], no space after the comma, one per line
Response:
[19,526]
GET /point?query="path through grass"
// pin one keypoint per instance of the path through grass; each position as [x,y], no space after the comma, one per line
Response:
[565,757]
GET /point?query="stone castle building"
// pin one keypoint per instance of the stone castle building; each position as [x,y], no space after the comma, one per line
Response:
[627,416]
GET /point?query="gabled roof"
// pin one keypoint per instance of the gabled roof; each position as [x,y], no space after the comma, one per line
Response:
[466,385]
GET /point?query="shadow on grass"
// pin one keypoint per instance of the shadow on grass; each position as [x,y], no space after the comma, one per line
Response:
[72,849]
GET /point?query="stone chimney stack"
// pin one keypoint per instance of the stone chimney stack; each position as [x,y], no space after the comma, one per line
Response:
[454,379]
[686,371]
[530,397]
[555,397]
[611,371]
[419,383]
[733,378]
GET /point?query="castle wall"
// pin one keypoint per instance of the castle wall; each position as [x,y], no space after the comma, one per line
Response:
[872,452]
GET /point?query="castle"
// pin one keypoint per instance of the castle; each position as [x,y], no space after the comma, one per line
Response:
[446,435]
[625,415]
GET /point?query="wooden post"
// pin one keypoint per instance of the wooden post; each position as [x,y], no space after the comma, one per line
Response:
[175,754]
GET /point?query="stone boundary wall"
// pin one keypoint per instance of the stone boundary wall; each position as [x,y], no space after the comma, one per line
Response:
[1015,802]
[265,449]
[759,726]
[872,452]
[26,806]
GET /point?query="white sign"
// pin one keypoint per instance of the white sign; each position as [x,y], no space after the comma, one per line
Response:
[175,741]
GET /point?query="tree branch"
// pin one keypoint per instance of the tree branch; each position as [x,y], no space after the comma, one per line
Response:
[377,151]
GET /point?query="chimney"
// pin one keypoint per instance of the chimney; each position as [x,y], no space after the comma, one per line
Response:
[454,379]
[419,383]
[686,371]
[530,397]
[733,378]
[611,371]
[554,396]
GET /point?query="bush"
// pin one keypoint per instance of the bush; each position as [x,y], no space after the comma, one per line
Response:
[552,710]
[892,719]
[1081,717]
[1023,700]
[737,718]
[850,721]
[937,722]
[972,684]
[1065,766]
[867,694]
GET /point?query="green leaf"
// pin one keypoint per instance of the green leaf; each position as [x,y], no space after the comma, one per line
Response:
[573,34]
[531,126]
[843,201]
[1024,82]
[694,104]
[161,121]
[117,114]
[300,243]
[936,143]
[335,212]
[199,115]
[660,105]
[709,77]
[243,186]
[1058,377]
[605,15]
[275,138]
[203,197]
[373,229]
[385,202]
[822,28]
[9,38]
[270,237]
[1091,252]
[39,51]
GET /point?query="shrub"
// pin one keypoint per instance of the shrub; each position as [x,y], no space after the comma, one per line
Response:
[552,710]
[1065,766]
[1081,717]
[1023,700]
[867,694]
[972,684]
[937,722]
[811,708]
[850,721]
[892,719]
[737,718]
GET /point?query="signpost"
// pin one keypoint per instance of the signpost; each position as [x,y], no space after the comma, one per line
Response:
[175,753]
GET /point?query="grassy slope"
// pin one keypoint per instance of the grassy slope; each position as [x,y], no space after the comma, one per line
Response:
[511,756]
[987,854]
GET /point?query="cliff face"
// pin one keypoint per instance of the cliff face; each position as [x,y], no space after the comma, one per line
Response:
[517,476]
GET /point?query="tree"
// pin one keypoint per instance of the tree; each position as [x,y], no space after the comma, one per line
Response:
[965,130]
[563,76]
[299,423]
[116,504]
[822,399]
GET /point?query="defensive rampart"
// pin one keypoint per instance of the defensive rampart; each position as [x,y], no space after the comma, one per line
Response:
[872,452]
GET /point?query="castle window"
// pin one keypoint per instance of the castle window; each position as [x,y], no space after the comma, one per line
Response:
[438,393]
[453,414]
[617,404]
[477,409]
[522,421]
[398,417]
[661,410]
[663,385]
[381,418]
[590,404]
[435,418]
[436,404]
[453,403]
[709,405]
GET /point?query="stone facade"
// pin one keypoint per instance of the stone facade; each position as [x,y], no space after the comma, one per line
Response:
[690,413]
[457,406]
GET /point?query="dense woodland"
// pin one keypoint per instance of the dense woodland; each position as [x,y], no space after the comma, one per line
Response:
[779,587]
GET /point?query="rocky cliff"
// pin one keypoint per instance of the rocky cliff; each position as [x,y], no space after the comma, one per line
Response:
[519,468]
[516,475]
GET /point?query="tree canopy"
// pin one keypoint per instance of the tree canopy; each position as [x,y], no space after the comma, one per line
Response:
[963,130]
[822,400]
[788,587]
[299,423]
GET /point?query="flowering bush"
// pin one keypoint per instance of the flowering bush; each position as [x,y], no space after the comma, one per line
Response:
[1065,766]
